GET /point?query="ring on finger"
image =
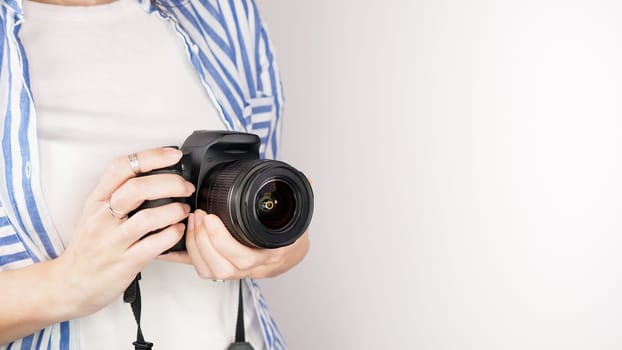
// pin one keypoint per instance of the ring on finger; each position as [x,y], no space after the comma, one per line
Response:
[114,213]
[133,159]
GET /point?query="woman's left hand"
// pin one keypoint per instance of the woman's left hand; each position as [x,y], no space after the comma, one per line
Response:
[216,255]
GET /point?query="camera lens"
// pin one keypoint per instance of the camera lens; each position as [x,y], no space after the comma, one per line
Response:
[275,204]
[263,203]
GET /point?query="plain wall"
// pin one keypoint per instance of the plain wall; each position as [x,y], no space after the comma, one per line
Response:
[466,160]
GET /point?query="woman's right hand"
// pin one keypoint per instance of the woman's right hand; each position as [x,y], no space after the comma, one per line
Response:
[106,252]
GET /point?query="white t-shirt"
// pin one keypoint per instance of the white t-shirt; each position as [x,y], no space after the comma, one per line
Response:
[108,80]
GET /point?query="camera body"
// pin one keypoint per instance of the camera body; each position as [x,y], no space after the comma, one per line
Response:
[263,203]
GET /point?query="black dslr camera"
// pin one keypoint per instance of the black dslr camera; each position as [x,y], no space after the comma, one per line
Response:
[263,203]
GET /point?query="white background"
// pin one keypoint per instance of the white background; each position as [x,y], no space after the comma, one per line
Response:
[466,159]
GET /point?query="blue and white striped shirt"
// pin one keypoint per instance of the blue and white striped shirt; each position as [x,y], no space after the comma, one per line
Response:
[226,42]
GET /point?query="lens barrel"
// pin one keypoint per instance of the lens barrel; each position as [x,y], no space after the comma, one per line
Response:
[263,203]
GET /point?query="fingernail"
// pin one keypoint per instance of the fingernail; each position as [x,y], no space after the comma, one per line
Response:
[208,221]
[172,153]
[190,186]
[191,222]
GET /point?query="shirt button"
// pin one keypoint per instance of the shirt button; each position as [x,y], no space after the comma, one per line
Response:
[28,169]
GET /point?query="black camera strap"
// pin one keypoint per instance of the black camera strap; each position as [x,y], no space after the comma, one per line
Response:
[240,341]
[132,296]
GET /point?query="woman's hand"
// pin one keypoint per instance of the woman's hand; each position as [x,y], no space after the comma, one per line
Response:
[106,252]
[216,255]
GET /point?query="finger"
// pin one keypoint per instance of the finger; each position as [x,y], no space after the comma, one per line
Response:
[282,259]
[176,257]
[152,246]
[220,266]
[135,191]
[151,219]
[101,221]
[241,256]
[120,170]
[199,264]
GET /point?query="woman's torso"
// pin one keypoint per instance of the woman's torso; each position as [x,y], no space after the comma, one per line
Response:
[109,80]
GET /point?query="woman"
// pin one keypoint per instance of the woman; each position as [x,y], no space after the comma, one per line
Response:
[82,82]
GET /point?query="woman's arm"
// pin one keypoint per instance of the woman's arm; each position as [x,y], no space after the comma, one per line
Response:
[32,298]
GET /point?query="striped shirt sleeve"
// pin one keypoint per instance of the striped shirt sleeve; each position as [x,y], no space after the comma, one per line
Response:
[13,254]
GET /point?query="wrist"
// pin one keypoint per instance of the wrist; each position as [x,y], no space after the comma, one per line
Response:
[33,297]
[64,300]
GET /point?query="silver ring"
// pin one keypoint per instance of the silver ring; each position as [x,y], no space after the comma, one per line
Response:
[114,213]
[133,158]
[219,281]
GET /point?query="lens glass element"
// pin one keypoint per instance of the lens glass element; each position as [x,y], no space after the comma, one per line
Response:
[275,204]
